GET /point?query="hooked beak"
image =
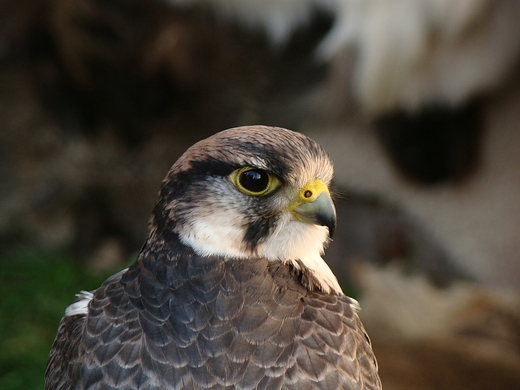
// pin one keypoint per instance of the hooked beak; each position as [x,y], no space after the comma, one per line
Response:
[314,205]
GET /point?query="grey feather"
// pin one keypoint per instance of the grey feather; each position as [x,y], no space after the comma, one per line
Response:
[312,338]
[178,320]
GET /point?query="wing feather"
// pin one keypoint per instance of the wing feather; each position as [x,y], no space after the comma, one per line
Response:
[246,325]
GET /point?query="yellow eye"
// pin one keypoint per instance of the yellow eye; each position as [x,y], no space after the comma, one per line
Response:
[254,181]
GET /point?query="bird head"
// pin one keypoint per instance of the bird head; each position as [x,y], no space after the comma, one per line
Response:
[252,191]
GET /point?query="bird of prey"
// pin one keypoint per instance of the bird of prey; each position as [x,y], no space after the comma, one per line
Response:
[230,290]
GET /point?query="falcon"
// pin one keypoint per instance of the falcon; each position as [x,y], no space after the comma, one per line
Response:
[230,290]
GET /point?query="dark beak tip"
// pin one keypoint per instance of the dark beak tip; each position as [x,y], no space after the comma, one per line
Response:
[329,221]
[319,212]
[331,224]
[332,229]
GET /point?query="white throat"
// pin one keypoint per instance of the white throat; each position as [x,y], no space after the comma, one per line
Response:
[290,242]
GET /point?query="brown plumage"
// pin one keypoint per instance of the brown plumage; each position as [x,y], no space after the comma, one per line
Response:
[218,297]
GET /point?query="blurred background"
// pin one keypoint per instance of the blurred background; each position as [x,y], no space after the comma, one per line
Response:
[418,103]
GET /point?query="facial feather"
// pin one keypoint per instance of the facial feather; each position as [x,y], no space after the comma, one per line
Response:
[213,217]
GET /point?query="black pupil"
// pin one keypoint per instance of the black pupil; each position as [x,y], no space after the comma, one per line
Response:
[254,180]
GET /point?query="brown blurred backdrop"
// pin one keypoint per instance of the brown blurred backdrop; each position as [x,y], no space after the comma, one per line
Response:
[417,102]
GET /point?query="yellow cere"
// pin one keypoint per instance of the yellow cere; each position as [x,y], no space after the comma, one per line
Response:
[311,191]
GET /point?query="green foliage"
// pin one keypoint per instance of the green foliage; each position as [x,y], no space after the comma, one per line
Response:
[35,289]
